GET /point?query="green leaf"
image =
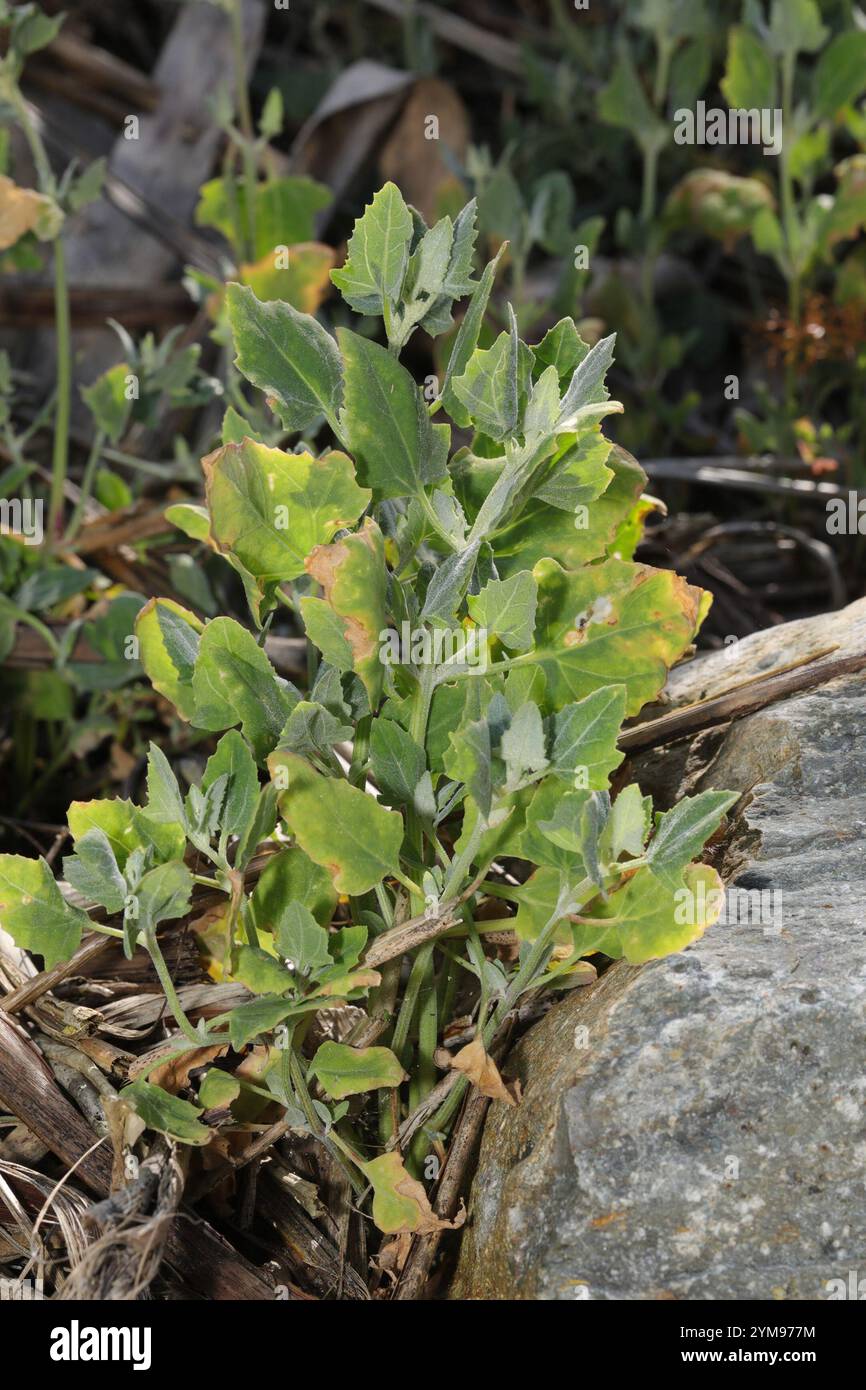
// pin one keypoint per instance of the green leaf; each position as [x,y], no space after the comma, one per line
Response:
[349,1071]
[218,1090]
[261,973]
[840,74]
[586,388]
[399,1200]
[284,210]
[127,828]
[506,608]
[165,1113]
[469,760]
[233,760]
[523,746]
[249,1021]
[349,619]
[750,76]
[34,912]
[168,638]
[467,341]
[301,940]
[93,872]
[163,894]
[107,402]
[164,801]
[288,355]
[311,729]
[652,920]
[260,827]
[585,737]
[628,825]
[624,103]
[378,254]
[341,828]
[490,386]
[615,622]
[270,508]
[795,27]
[683,831]
[397,763]
[563,348]
[386,422]
[291,877]
[234,683]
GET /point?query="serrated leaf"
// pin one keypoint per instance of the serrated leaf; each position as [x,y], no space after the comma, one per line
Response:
[165,1113]
[683,831]
[349,1071]
[270,508]
[586,388]
[311,729]
[34,912]
[386,422]
[585,737]
[288,355]
[234,683]
[563,348]
[168,638]
[301,940]
[506,608]
[378,254]
[341,828]
[163,894]
[353,577]
[490,386]
[164,801]
[93,872]
[249,1021]
[614,622]
[233,760]
[467,341]
[628,825]
[127,827]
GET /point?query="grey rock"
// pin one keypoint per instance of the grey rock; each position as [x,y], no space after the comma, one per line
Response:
[695,1128]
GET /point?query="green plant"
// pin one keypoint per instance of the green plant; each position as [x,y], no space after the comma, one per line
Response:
[480,633]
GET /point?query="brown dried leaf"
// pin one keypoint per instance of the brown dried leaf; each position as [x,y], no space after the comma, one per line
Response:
[483,1072]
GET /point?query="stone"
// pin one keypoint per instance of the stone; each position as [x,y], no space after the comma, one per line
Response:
[695,1128]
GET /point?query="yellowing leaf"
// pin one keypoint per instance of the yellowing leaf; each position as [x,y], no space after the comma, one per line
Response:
[399,1201]
[303,283]
[353,577]
[482,1071]
[23,210]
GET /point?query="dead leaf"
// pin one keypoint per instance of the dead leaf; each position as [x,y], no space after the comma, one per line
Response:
[173,1074]
[415,161]
[483,1072]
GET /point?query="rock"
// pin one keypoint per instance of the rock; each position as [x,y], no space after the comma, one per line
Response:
[695,1128]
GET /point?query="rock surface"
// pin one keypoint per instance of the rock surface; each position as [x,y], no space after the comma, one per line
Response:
[695,1128]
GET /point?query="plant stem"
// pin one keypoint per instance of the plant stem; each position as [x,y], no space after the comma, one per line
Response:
[155,952]
[86,487]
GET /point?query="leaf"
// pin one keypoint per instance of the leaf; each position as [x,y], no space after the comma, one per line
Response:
[614,622]
[301,940]
[164,801]
[750,75]
[284,212]
[585,737]
[312,730]
[628,825]
[399,1201]
[270,508]
[23,210]
[537,901]
[291,877]
[468,760]
[249,1021]
[163,894]
[840,74]
[127,828]
[232,759]
[34,912]
[795,27]
[651,920]
[683,831]
[425,279]
[303,282]
[349,1071]
[288,355]
[386,422]
[218,1089]
[477,1064]
[234,683]
[261,973]
[165,1113]
[260,827]
[107,402]
[506,609]
[378,254]
[523,746]
[490,386]
[397,762]
[576,825]
[586,388]
[341,828]
[168,638]
[467,341]
[353,577]
[563,348]
[624,103]
[93,872]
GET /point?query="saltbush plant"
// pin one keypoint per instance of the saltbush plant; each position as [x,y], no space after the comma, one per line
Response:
[478,632]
